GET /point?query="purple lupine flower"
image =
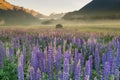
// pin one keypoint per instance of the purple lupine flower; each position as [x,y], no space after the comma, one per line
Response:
[44,65]
[45,60]
[81,59]
[34,60]
[73,40]
[64,45]
[97,60]
[117,74]
[91,62]
[81,41]
[78,70]
[118,53]
[87,72]
[87,77]
[70,53]
[70,48]
[32,73]
[110,59]
[39,57]
[38,75]
[113,66]
[84,50]
[21,59]
[7,52]
[66,69]
[78,57]
[91,43]
[18,43]
[18,53]
[12,54]
[67,55]
[24,54]
[2,54]
[60,76]
[14,42]
[104,58]
[75,58]
[20,71]
[59,59]
[106,71]
[54,50]
[50,63]
[78,42]
[75,61]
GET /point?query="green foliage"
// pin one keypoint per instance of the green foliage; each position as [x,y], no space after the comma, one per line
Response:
[9,72]
[95,74]
[5,38]
[107,38]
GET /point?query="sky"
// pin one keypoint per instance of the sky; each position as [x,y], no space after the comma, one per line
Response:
[47,7]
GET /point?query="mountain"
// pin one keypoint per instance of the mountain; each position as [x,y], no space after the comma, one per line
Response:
[56,15]
[97,9]
[11,14]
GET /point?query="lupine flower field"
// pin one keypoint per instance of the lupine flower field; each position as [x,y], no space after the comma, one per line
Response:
[59,55]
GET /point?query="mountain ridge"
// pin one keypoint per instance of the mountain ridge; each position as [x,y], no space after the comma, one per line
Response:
[11,14]
[7,6]
[97,9]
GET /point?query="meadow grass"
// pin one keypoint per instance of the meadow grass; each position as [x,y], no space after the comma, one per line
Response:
[75,26]
[71,36]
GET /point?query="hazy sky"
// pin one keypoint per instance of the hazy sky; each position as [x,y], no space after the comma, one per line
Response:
[49,6]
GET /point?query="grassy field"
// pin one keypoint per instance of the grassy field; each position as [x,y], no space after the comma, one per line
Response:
[77,42]
[77,26]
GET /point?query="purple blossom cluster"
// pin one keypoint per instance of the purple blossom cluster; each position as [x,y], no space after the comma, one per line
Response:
[44,57]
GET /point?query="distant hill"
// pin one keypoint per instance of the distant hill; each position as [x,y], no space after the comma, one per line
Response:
[97,9]
[56,15]
[11,14]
